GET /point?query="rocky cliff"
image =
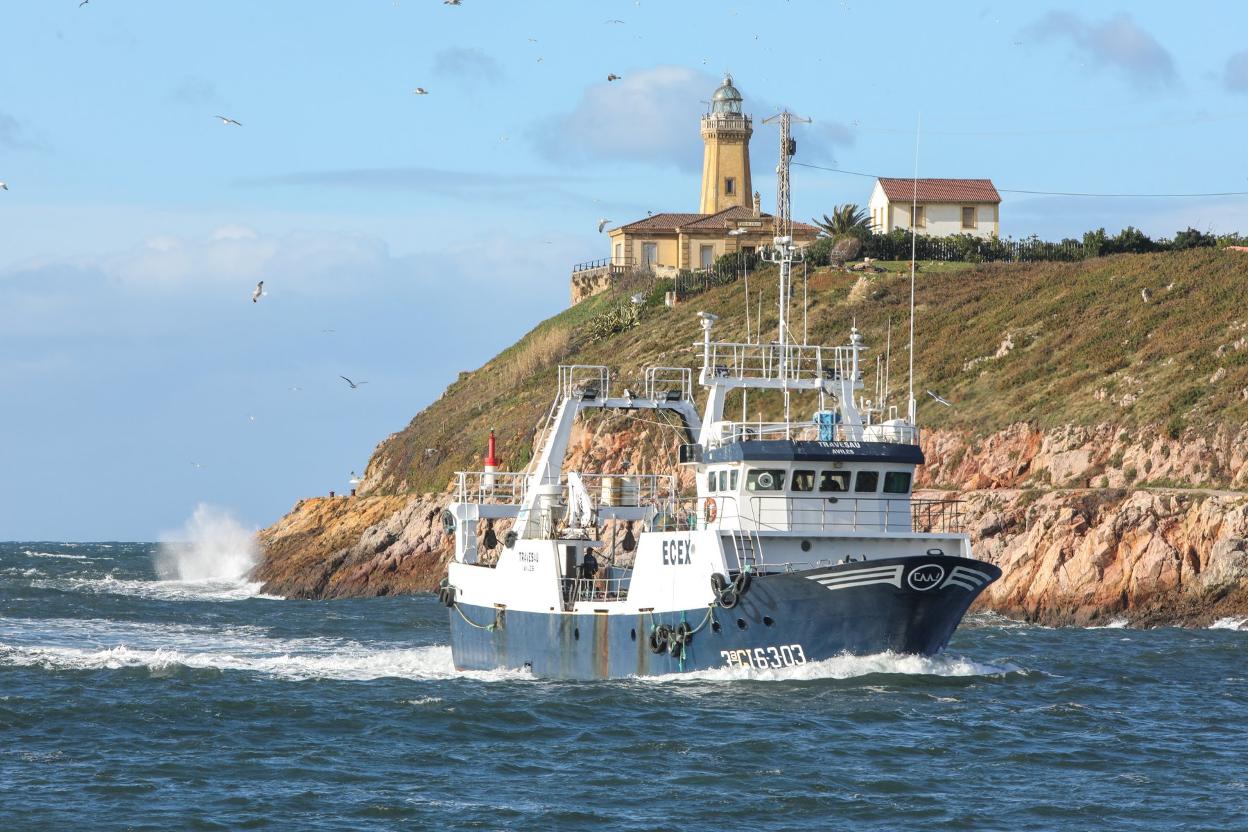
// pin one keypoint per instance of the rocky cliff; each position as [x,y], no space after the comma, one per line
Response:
[1100,544]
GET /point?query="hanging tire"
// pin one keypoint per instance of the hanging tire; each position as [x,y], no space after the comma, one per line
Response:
[676,649]
[728,599]
[718,583]
[659,639]
[742,584]
[684,633]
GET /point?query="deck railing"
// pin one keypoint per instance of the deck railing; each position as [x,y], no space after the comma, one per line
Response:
[596,589]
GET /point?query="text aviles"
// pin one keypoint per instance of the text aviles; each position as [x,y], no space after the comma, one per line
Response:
[677,552]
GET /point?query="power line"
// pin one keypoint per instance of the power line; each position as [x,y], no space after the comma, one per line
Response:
[1043,193]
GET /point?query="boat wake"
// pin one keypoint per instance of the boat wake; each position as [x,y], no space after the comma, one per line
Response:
[99,644]
[851,667]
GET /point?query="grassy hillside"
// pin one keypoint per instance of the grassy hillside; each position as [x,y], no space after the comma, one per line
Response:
[1156,340]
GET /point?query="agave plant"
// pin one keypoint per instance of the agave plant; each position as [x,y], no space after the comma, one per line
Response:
[847,219]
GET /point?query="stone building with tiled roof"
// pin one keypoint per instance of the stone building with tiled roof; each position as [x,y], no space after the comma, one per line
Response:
[729,218]
[941,207]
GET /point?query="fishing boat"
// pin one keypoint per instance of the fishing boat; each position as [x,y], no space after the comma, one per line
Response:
[804,540]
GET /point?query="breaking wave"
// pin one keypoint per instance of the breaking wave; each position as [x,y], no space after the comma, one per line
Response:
[211,546]
[1229,624]
[165,649]
[205,590]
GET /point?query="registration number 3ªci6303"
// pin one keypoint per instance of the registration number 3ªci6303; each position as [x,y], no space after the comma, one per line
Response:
[786,655]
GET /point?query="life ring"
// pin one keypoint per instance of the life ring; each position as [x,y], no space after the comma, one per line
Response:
[712,510]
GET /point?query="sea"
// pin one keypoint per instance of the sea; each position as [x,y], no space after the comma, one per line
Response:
[139,695]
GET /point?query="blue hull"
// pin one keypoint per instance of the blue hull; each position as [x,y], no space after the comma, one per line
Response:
[904,605]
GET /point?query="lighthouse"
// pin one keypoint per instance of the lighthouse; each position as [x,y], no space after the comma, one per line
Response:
[491,463]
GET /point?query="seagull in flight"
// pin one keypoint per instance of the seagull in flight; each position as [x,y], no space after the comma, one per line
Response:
[258,292]
[452,2]
[227,121]
[420,91]
[612,77]
[356,384]
[83,3]
[613,20]
[602,223]
[939,399]
[4,186]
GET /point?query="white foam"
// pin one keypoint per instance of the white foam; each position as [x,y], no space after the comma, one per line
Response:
[849,667]
[205,590]
[1229,624]
[211,546]
[103,644]
[31,554]
[1114,624]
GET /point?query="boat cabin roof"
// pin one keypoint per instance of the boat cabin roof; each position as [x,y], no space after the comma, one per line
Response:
[813,451]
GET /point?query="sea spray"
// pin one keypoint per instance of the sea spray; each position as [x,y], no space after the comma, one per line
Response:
[212,545]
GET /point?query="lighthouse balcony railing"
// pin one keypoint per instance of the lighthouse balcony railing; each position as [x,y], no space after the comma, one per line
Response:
[801,363]
[491,487]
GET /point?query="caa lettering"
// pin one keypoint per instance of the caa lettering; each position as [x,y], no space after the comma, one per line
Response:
[676,552]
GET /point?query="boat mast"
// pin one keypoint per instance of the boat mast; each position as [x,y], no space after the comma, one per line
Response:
[783,252]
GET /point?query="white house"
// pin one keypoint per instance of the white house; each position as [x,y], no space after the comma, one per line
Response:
[945,206]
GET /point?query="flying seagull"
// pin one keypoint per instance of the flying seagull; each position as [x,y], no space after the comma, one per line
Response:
[602,224]
[612,77]
[258,292]
[939,399]
[420,91]
[227,121]
[613,20]
[452,2]
[354,384]
[83,3]
[4,186]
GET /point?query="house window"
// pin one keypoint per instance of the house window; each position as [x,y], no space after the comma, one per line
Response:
[896,482]
[706,255]
[730,185]
[920,216]
[968,216]
[619,254]
[649,253]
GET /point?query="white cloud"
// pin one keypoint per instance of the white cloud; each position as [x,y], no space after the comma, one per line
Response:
[1119,43]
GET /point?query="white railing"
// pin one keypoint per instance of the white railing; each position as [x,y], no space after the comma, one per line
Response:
[596,589]
[820,514]
[627,489]
[584,381]
[491,487]
[773,362]
[665,382]
[809,431]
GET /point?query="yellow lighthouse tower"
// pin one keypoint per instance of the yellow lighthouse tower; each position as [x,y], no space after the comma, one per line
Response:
[726,159]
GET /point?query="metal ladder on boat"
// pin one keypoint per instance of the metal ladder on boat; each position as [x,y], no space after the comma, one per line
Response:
[747,546]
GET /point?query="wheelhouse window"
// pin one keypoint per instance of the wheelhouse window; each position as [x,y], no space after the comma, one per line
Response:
[803,481]
[968,216]
[710,481]
[723,480]
[732,480]
[897,482]
[833,481]
[765,479]
[867,482]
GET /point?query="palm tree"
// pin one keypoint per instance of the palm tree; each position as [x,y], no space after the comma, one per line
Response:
[847,219]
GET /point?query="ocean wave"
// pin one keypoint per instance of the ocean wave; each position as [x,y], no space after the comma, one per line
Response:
[1113,624]
[1229,624]
[850,667]
[213,589]
[420,663]
[163,648]
[32,554]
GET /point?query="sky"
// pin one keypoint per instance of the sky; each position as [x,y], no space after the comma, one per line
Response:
[404,238]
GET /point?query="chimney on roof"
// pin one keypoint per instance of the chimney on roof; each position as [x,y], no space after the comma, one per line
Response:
[758,204]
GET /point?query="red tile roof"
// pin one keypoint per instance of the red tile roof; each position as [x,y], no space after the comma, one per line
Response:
[723,221]
[940,190]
